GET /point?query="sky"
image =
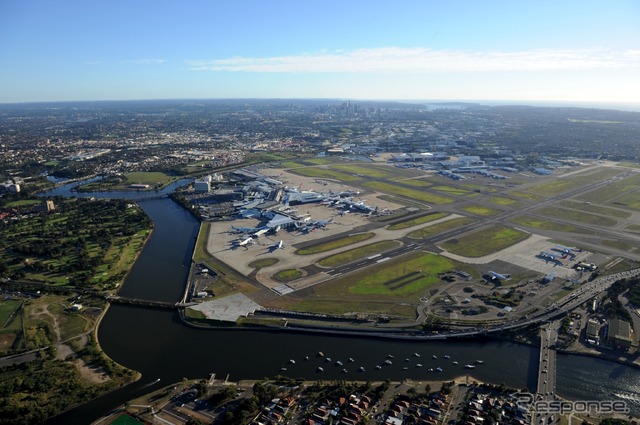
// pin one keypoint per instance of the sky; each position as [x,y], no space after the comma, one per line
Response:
[515,50]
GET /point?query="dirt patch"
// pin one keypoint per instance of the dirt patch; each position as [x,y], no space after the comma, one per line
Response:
[6,341]
[89,374]
[63,351]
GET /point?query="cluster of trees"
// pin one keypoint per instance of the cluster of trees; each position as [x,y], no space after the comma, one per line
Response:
[72,239]
[34,391]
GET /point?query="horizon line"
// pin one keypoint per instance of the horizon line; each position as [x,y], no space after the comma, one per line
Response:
[630,106]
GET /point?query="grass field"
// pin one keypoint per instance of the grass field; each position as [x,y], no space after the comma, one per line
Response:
[506,202]
[619,245]
[611,191]
[288,275]
[581,206]
[418,220]
[358,253]
[417,195]
[338,243]
[148,177]
[480,210]
[324,173]
[578,216]
[528,196]
[392,288]
[562,185]
[440,227]
[263,262]
[452,190]
[416,183]
[629,200]
[540,223]
[376,172]
[485,241]
[24,203]
[7,308]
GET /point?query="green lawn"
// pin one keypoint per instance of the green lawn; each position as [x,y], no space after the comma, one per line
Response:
[418,220]
[148,177]
[334,244]
[480,210]
[452,190]
[577,216]
[288,275]
[485,241]
[561,185]
[325,173]
[7,308]
[418,195]
[589,207]
[263,262]
[506,202]
[392,288]
[540,223]
[357,253]
[440,227]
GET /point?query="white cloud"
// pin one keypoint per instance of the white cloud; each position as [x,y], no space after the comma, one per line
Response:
[397,59]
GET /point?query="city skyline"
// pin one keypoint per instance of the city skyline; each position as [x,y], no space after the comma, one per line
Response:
[567,52]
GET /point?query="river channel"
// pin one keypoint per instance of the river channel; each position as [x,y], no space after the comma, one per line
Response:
[157,344]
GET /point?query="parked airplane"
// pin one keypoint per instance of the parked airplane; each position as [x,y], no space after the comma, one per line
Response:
[322,223]
[548,255]
[259,233]
[243,229]
[279,245]
[244,242]
[500,276]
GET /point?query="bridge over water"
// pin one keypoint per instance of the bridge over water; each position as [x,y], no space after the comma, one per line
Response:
[166,305]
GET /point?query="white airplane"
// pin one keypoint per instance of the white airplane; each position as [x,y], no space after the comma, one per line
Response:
[500,276]
[260,233]
[243,229]
[279,245]
[245,242]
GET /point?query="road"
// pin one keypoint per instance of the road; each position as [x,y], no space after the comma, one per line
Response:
[546,388]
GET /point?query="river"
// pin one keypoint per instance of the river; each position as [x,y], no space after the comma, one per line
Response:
[160,346]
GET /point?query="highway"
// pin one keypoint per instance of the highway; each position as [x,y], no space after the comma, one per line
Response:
[546,388]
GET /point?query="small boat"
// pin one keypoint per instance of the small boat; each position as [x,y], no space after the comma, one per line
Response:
[388,361]
[361,369]
[378,367]
[338,363]
[469,366]
[430,369]
[416,355]
[405,368]
[328,359]
[320,369]
[455,362]
[344,370]
[418,365]
[291,361]
[407,359]
[283,369]
[320,354]
[439,369]
[351,360]
[479,361]
[434,357]
[390,356]
[306,357]
[446,356]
